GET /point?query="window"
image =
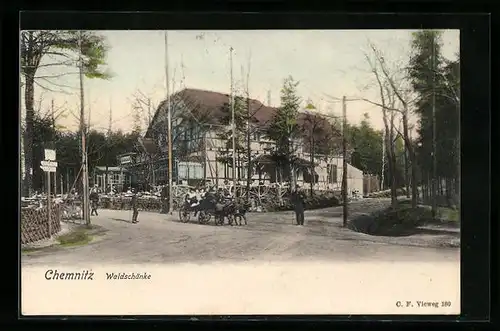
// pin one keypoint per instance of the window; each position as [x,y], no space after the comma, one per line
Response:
[226,170]
[332,173]
[308,178]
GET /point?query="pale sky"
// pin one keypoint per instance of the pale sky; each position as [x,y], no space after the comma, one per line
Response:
[326,62]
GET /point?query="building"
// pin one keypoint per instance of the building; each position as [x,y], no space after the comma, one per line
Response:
[117,178]
[200,153]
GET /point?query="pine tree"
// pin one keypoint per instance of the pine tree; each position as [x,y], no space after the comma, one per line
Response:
[439,77]
[284,128]
[63,48]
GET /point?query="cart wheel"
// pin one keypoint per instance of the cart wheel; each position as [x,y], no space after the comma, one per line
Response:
[184,215]
[203,217]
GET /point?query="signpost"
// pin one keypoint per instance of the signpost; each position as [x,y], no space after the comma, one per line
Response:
[49,165]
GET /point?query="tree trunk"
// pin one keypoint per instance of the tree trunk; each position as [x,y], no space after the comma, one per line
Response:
[249,166]
[311,159]
[29,97]
[410,153]
[394,186]
[406,173]
[430,195]
[106,179]
[449,202]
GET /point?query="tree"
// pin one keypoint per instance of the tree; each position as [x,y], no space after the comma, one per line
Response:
[394,84]
[387,103]
[320,139]
[54,50]
[436,82]
[284,129]
[367,145]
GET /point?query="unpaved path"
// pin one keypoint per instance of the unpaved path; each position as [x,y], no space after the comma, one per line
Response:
[160,239]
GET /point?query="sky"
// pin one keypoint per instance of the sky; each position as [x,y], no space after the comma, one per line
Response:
[326,63]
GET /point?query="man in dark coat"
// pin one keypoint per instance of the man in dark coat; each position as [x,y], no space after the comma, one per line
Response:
[133,203]
[164,199]
[298,206]
[94,201]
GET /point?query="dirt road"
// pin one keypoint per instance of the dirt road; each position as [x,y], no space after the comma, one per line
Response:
[160,239]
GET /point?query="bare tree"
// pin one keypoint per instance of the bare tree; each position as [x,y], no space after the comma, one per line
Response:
[387,105]
[404,97]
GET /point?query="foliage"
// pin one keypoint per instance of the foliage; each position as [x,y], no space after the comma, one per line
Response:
[440,78]
[240,120]
[367,147]
[55,52]
[103,149]
[61,49]
[284,129]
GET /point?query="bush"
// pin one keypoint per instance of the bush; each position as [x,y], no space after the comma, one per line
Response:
[387,193]
[401,219]
[317,201]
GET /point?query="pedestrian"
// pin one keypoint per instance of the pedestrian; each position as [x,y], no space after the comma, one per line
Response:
[135,211]
[298,206]
[94,199]
[164,199]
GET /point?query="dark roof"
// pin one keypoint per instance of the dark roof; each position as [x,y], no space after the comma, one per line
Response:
[209,105]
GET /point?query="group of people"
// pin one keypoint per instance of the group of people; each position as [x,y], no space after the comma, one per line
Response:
[195,196]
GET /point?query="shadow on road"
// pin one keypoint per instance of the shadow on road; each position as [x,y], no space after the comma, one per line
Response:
[121,220]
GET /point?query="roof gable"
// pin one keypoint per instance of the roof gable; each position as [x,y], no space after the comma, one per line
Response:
[208,107]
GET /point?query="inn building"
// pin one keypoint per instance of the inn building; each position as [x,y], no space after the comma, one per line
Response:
[201,152]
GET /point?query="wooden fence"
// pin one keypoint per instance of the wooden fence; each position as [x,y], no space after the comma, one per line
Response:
[35,225]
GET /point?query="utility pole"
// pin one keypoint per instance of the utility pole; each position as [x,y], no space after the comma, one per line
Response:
[383,160]
[233,126]
[150,156]
[434,160]
[87,132]
[53,118]
[110,123]
[344,162]
[105,181]
[149,112]
[88,121]
[85,179]
[183,82]
[248,135]
[169,128]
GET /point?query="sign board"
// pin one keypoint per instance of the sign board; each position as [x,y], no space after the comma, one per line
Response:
[50,154]
[47,163]
[48,166]
[48,169]
[126,159]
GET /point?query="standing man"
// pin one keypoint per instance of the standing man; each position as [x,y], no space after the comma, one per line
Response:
[298,206]
[94,198]
[135,211]
[164,199]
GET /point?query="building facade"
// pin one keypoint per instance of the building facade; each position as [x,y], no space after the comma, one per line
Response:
[112,178]
[201,155]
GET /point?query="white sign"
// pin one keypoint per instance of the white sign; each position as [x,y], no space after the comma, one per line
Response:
[48,169]
[50,155]
[125,159]
[48,164]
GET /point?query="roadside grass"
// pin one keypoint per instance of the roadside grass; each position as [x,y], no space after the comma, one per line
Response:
[448,214]
[78,236]
[75,238]
[27,250]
